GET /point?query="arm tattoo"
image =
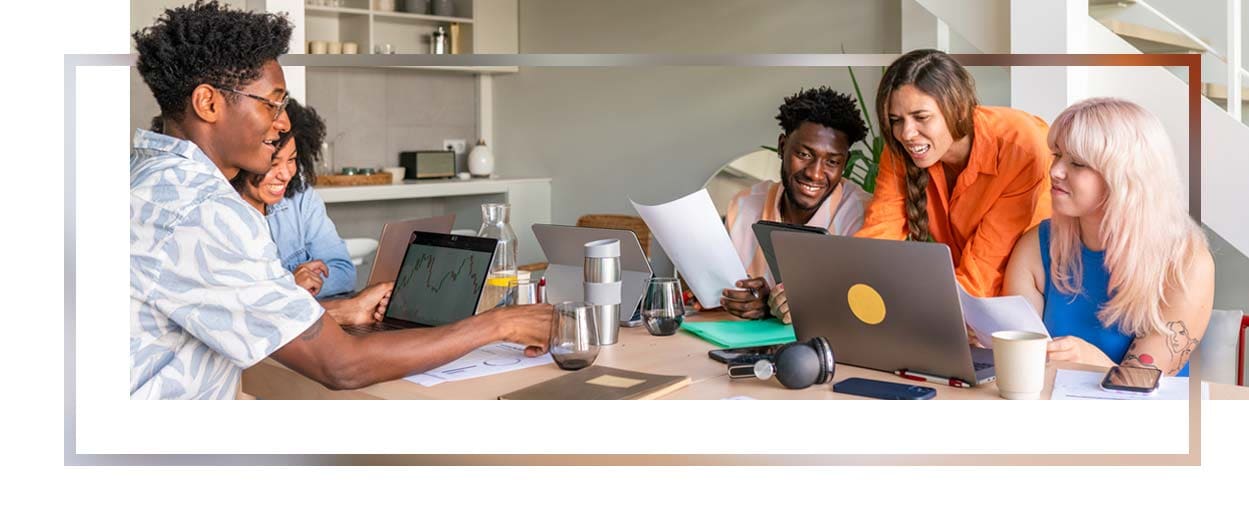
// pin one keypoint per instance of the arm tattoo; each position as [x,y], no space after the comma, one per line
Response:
[1180,343]
[1143,360]
[313,331]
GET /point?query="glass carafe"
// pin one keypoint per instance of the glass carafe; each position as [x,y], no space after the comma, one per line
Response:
[494,224]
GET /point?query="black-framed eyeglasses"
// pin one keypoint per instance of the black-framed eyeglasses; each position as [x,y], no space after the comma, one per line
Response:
[277,107]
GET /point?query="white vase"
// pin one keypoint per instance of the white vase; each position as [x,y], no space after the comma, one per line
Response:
[481,160]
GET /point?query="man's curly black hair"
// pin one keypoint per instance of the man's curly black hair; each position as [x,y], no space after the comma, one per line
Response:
[825,107]
[308,130]
[206,43]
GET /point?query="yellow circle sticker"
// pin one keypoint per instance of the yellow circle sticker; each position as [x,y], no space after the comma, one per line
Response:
[866,304]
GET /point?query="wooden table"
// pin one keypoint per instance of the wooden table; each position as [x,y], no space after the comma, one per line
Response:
[680,354]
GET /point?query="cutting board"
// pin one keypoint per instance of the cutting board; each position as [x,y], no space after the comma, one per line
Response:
[354,180]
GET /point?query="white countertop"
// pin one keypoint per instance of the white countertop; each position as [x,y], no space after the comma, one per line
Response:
[422,189]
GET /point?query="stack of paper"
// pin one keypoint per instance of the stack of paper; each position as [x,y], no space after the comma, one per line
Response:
[1087,385]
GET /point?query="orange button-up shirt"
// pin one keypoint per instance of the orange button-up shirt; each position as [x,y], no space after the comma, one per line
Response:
[1003,192]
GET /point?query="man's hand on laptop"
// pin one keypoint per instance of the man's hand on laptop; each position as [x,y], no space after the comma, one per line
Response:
[311,275]
[749,300]
[778,303]
[366,307]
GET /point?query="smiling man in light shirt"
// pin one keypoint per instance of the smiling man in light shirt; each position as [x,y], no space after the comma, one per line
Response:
[818,127]
[208,296]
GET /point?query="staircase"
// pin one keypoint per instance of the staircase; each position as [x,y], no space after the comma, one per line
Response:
[1096,29]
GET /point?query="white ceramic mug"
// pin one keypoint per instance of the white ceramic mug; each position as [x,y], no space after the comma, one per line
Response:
[396,174]
[1019,360]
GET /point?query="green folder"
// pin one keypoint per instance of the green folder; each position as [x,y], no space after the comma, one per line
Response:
[742,334]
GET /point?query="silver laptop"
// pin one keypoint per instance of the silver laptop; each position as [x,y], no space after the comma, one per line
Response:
[564,248]
[439,282]
[394,243]
[918,328]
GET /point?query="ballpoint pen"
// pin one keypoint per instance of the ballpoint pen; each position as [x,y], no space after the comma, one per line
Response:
[914,375]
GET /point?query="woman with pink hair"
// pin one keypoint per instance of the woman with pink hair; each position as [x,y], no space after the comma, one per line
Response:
[1120,273]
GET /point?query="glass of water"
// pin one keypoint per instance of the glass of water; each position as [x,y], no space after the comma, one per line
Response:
[663,309]
[573,343]
[523,292]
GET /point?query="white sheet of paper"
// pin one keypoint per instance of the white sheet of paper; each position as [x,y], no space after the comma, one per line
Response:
[493,358]
[690,231]
[987,315]
[1086,385]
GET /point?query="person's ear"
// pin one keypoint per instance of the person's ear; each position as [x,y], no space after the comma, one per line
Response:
[780,145]
[207,103]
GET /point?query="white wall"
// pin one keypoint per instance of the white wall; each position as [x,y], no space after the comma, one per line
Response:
[653,134]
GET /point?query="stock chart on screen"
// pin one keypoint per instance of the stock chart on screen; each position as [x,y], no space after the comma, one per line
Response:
[438,285]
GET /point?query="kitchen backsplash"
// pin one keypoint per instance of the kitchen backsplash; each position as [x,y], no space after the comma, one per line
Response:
[377,113]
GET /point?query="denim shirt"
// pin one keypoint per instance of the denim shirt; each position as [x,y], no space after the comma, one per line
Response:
[303,232]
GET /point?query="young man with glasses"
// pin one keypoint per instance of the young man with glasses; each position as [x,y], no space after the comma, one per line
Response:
[208,295]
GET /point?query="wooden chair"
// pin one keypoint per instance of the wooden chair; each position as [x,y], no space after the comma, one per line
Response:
[620,221]
[609,221]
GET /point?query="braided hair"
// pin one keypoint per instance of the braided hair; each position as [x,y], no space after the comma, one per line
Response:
[936,74]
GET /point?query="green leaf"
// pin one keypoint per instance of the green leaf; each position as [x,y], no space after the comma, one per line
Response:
[770,148]
[859,95]
[851,161]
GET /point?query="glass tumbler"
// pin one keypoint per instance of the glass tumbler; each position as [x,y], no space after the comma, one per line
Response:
[663,309]
[523,292]
[573,344]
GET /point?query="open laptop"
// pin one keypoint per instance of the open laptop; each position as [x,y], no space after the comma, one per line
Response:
[394,243]
[882,304]
[438,282]
[564,248]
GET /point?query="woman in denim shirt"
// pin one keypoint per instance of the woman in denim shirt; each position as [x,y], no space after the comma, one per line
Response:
[307,241]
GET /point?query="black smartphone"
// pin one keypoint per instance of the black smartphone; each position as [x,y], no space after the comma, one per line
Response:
[743,354]
[1134,380]
[883,390]
[763,234]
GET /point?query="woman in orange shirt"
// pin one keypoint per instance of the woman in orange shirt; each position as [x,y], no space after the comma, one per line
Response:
[972,177]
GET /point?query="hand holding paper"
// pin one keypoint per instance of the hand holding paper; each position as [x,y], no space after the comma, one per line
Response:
[690,231]
[987,315]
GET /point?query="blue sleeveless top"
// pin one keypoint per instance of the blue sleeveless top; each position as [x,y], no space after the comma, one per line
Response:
[1077,315]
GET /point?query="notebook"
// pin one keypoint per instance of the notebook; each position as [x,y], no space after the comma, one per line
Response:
[742,334]
[602,383]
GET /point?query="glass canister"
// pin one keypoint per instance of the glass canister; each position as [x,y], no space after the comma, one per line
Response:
[494,224]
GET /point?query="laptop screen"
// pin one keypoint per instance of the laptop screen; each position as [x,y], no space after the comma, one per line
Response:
[441,278]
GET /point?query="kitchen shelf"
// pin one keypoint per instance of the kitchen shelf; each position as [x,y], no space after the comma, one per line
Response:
[396,16]
[321,10]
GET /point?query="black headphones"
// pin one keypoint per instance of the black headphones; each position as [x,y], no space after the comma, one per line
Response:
[796,365]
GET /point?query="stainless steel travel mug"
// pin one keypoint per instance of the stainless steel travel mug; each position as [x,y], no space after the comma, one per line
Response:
[602,287]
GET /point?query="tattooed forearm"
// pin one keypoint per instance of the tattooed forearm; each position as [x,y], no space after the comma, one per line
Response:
[1181,344]
[313,331]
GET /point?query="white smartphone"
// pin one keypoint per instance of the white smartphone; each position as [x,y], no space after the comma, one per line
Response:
[1133,380]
